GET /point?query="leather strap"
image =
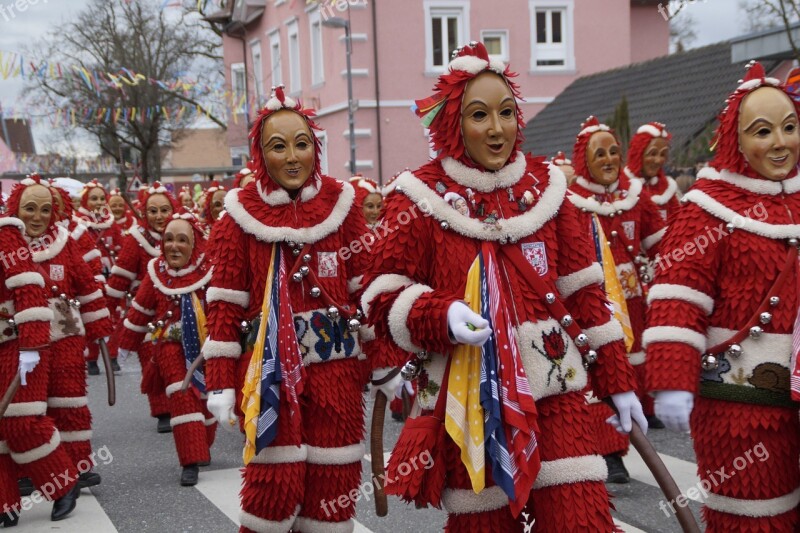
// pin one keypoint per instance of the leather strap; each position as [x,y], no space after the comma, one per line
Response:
[387,378]
[441,400]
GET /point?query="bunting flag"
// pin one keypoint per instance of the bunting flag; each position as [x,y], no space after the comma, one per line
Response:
[613,287]
[194,333]
[276,366]
[489,398]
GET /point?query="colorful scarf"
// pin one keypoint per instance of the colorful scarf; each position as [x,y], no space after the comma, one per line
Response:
[193,335]
[613,288]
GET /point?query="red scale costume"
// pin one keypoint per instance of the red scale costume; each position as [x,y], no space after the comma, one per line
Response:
[661,188]
[631,224]
[100,227]
[208,215]
[141,245]
[159,298]
[420,269]
[287,483]
[719,263]
[125,223]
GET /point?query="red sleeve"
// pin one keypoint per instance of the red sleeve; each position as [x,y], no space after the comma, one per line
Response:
[89,292]
[140,313]
[124,272]
[653,226]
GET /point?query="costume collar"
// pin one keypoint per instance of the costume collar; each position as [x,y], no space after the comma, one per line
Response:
[89,219]
[47,252]
[658,199]
[482,180]
[607,208]
[596,187]
[758,186]
[157,283]
[138,234]
[281,197]
[186,270]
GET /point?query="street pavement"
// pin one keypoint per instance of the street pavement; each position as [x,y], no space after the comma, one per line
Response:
[140,491]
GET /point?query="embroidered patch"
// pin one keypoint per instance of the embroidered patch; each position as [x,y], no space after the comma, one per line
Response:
[327,264]
[536,254]
[629,227]
[332,337]
[57,272]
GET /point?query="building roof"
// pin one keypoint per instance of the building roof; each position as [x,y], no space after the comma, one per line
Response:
[20,136]
[685,91]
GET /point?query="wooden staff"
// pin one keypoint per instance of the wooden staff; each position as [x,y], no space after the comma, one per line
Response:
[110,382]
[376,451]
[9,395]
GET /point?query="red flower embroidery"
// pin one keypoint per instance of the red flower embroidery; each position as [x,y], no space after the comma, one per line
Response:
[554,345]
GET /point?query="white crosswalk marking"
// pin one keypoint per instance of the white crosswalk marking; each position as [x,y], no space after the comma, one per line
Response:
[88,516]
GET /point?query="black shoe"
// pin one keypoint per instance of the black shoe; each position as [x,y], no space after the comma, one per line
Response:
[88,479]
[189,475]
[115,365]
[163,424]
[26,487]
[65,504]
[9,519]
[617,473]
[94,370]
[397,416]
[653,422]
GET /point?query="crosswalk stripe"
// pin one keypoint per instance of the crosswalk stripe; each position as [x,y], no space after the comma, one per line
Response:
[627,528]
[684,472]
[87,516]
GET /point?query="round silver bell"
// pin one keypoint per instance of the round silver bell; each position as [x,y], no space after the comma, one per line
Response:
[629,248]
[550,297]
[151,327]
[297,277]
[647,278]
[399,188]
[730,227]
[734,351]
[11,322]
[333,313]
[503,240]
[160,323]
[410,371]
[775,300]
[315,292]
[583,210]
[710,363]
[304,270]
[75,303]
[292,244]
[591,357]
[54,288]
[423,355]
[793,242]
[307,258]
[765,317]
[755,332]
[611,215]
[619,211]
[444,225]
[246,327]
[566,321]
[582,340]
[614,233]
[169,314]
[296,252]
[62,296]
[353,324]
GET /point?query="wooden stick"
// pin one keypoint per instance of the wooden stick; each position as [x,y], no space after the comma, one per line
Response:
[9,395]
[110,381]
[376,451]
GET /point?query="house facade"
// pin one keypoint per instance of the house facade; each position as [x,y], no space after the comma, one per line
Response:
[398,50]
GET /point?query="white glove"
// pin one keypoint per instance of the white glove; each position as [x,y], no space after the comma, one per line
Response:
[458,318]
[122,355]
[629,407]
[220,403]
[398,393]
[673,407]
[387,388]
[27,362]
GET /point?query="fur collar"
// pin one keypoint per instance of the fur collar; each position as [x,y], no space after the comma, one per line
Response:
[137,232]
[596,187]
[513,229]
[187,270]
[13,221]
[281,197]
[163,289]
[46,254]
[605,209]
[322,215]
[88,219]
[485,181]
[758,186]
[658,199]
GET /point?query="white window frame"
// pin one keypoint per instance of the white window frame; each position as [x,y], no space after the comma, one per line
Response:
[567,34]
[276,64]
[438,8]
[315,45]
[258,71]
[323,153]
[295,79]
[238,72]
[503,35]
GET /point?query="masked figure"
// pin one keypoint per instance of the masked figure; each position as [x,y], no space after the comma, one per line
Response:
[648,152]
[122,213]
[214,204]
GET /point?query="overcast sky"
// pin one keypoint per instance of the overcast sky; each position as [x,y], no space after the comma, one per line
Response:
[715,20]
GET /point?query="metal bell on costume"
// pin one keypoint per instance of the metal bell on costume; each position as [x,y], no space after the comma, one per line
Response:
[410,370]
[582,340]
[297,277]
[333,313]
[353,325]
[151,327]
[734,351]
[774,301]
[709,363]
[246,327]
[755,332]
[315,292]
[765,318]
[566,321]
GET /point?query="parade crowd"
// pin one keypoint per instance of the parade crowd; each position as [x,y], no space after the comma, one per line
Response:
[520,315]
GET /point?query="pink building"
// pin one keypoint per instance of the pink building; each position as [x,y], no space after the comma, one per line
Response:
[400,47]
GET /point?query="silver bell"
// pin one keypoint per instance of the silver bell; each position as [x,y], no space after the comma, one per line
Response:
[611,215]
[503,240]
[566,321]
[734,351]
[730,227]
[297,277]
[793,242]
[591,357]
[151,327]
[619,211]
[614,233]
[410,371]
[755,332]
[583,210]
[709,363]
[423,355]
[246,327]
[11,322]
[296,252]
[333,313]
[307,258]
[54,288]
[315,292]
[169,314]
[292,244]
[773,301]
[550,297]
[582,340]
[765,318]
[444,225]
[629,248]
[304,270]
[160,323]
[353,324]
[62,296]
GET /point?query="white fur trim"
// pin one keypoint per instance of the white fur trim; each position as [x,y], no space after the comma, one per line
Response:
[652,240]
[367,186]
[33,314]
[758,82]
[607,333]
[281,196]
[471,64]
[26,409]
[272,455]
[571,470]
[670,291]
[366,334]
[99,278]
[147,312]
[39,452]
[133,327]
[652,131]
[593,129]
[136,233]
[636,358]
[88,216]
[78,232]
[512,229]
[94,316]
[273,104]
[666,196]
[343,455]
[26,278]
[218,294]
[53,250]
[186,419]
[674,334]
[88,298]
[67,402]
[284,233]
[715,208]
[398,315]
[92,254]
[354,284]
[261,525]
[486,181]
[172,388]
[13,221]
[592,205]
[119,271]
[208,421]
[771,347]
[309,525]
[114,293]
[572,283]
[187,270]
[76,436]
[758,186]
[212,349]
[381,284]
[792,185]
[151,270]
[754,508]
[465,501]
[596,187]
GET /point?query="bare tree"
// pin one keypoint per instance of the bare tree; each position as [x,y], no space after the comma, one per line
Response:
[764,14]
[681,26]
[140,36]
